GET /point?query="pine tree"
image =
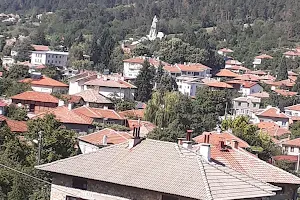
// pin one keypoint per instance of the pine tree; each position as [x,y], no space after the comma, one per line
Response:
[144,82]
[282,71]
[296,87]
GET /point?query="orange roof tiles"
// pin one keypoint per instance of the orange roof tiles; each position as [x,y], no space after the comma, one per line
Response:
[294,142]
[72,98]
[109,83]
[247,77]
[40,47]
[264,125]
[172,69]
[217,84]
[264,56]
[294,107]
[293,78]
[131,123]
[291,73]
[226,73]
[272,129]
[226,50]
[98,113]
[289,158]
[113,137]
[287,82]
[139,113]
[247,84]
[292,53]
[17,126]
[215,138]
[44,81]
[258,72]
[192,67]
[272,112]
[237,67]
[285,92]
[267,77]
[247,163]
[64,115]
[36,96]
[260,95]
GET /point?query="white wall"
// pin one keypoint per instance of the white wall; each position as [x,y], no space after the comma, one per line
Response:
[1,110]
[288,150]
[247,91]
[56,59]
[280,122]
[123,92]
[187,88]
[38,58]
[48,89]
[131,70]
[86,147]
[292,113]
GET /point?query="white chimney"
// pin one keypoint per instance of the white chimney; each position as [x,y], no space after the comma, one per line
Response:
[187,144]
[105,107]
[61,102]
[104,140]
[105,78]
[205,151]
[70,106]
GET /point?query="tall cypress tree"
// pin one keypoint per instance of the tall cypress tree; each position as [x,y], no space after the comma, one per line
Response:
[144,82]
[282,71]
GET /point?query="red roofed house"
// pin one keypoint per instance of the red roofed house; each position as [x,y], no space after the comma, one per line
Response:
[189,69]
[293,112]
[258,60]
[248,88]
[225,73]
[40,47]
[286,93]
[2,107]
[15,126]
[101,115]
[135,114]
[272,114]
[224,51]
[274,130]
[70,119]
[41,83]
[132,66]
[218,85]
[94,141]
[262,95]
[35,102]
[292,147]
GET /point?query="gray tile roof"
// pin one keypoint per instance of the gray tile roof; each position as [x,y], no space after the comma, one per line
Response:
[164,167]
[93,96]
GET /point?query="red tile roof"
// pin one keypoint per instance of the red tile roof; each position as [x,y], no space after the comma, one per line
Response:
[264,56]
[247,77]
[148,125]
[258,72]
[276,131]
[113,137]
[267,77]
[272,112]
[289,158]
[266,125]
[217,84]
[139,113]
[226,73]
[72,98]
[233,62]
[17,126]
[36,96]
[291,73]
[292,53]
[2,118]
[215,138]
[285,92]
[64,115]
[237,67]
[44,81]
[141,60]
[287,82]
[246,163]
[293,78]
[98,113]
[172,69]
[249,84]
[294,107]
[109,83]
[40,47]
[260,95]
[294,142]
[192,67]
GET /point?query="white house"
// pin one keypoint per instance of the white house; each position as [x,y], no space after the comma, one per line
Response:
[2,107]
[272,114]
[248,88]
[132,66]
[292,147]
[76,83]
[293,112]
[259,59]
[245,105]
[188,85]
[56,58]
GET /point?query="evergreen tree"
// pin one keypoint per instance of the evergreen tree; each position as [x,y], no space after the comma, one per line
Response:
[283,70]
[144,82]
[296,87]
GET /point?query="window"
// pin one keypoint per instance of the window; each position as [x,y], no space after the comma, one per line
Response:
[283,123]
[240,103]
[292,149]
[59,56]
[56,56]
[52,56]
[79,183]
[166,197]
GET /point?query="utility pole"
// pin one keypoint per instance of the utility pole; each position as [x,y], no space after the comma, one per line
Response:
[40,147]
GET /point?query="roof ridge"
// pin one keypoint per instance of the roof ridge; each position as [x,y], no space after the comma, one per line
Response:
[204,178]
[93,111]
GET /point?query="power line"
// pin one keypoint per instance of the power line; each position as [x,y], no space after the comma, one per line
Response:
[41,180]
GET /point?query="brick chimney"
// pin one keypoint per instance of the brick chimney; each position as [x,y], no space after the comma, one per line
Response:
[188,142]
[136,136]
[235,144]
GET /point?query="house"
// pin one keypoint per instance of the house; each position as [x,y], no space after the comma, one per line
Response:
[225,73]
[272,114]
[292,147]
[286,93]
[76,83]
[291,73]
[292,54]
[101,115]
[267,77]
[248,88]
[19,127]
[145,126]
[92,98]
[224,51]
[144,169]
[134,113]
[245,105]
[70,119]
[40,47]
[40,83]
[94,141]
[258,60]
[35,102]
[293,112]
[188,85]
[236,157]
[3,106]
[189,69]
[73,100]
[56,58]
[248,77]
[273,130]
[261,95]
[8,61]
[230,63]
[216,136]
[258,73]
[132,66]
[218,85]
[111,88]
[238,69]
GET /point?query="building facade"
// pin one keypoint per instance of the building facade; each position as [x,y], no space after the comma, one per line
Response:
[55,58]
[245,105]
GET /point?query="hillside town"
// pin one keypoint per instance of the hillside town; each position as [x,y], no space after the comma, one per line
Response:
[151,117]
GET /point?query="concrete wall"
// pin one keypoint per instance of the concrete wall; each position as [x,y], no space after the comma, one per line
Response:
[132,70]
[294,151]
[62,184]
[48,89]
[38,58]
[247,91]
[124,93]
[87,147]
[284,123]
[56,59]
